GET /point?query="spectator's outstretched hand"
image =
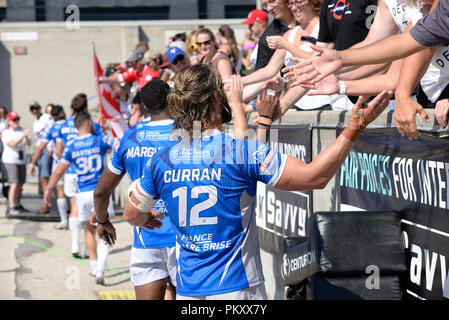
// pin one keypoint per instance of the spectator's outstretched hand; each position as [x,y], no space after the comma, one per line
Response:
[268,101]
[362,116]
[441,112]
[312,70]
[276,84]
[405,111]
[329,85]
[276,42]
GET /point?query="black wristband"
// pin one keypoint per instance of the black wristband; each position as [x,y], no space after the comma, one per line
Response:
[264,124]
[102,223]
[264,116]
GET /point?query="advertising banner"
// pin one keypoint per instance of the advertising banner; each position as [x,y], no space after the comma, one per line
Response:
[385,171]
[282,214]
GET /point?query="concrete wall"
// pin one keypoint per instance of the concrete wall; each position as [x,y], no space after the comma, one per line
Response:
[59,61]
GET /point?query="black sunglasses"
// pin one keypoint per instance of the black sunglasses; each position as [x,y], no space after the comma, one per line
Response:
[206,43]
[16,120]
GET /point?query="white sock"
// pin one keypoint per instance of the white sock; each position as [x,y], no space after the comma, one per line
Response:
[62,209]
[102,257]
[75,228]
[93,266]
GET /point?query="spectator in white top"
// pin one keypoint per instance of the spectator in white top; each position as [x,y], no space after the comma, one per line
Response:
[14,139]
[43,123]
[3,123]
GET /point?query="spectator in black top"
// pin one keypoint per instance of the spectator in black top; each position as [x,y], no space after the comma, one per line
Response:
[343,23]
[282,22]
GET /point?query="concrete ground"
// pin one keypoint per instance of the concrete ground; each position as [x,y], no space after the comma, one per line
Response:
[36,262]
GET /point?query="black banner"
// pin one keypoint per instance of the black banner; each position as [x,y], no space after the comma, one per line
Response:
[385,171]
[282,214]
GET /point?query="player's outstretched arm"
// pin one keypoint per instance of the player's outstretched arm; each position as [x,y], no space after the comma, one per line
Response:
[300,176]
[330,61]
[234,95]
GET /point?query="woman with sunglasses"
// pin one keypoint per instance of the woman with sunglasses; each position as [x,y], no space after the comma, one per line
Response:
[208,48]
[14,139]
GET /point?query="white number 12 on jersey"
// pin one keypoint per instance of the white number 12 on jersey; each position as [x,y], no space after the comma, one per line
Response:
[195,219]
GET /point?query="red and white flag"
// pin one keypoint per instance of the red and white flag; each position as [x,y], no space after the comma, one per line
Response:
[109,107]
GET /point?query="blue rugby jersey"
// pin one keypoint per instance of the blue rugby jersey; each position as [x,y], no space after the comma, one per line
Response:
[86,153]
[52,135]
[67,132]
[137,146]
[210,194]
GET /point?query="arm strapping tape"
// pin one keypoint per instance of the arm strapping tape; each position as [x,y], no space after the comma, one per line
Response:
[145,201]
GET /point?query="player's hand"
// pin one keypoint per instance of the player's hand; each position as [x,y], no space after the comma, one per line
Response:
[48,195]
[154,220]
[362,116]
[441,112]
[235,91]
[105,231]
[405,112]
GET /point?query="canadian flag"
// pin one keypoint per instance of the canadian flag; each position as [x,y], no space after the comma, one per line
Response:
[109,107]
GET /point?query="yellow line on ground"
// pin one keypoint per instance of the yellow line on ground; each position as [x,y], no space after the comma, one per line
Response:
[117,295]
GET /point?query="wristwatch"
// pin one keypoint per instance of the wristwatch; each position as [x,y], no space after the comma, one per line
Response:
[342,87]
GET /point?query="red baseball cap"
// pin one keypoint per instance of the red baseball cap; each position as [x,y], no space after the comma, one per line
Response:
[165,61]
[12,116]
[256,15]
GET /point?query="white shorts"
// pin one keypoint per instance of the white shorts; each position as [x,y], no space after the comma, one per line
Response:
[257,292]
[53,168]
[85,205]
[149,265]
[70,184]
